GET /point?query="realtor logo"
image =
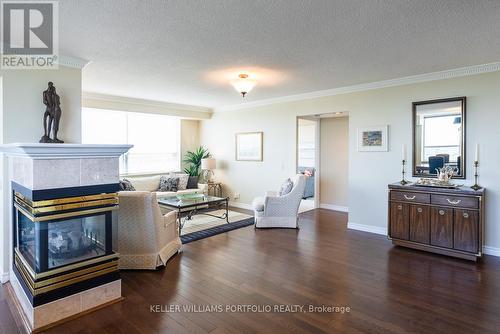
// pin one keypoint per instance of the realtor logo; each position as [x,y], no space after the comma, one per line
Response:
[29,34]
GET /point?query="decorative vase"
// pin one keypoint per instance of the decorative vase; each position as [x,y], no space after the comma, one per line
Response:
[192,182]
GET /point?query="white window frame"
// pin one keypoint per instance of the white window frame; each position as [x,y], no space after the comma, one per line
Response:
[124,158]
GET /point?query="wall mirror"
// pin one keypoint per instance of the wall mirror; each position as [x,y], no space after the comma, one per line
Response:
[439,136]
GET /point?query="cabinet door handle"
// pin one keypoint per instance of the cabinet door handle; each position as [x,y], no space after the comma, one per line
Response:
[410,197]
[454,202]
[466,215]
[441,212]
[419,210]
[400,207]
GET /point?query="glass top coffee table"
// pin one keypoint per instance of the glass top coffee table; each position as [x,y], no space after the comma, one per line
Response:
[195,204]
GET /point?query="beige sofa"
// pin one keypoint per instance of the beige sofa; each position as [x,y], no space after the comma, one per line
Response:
[152,183]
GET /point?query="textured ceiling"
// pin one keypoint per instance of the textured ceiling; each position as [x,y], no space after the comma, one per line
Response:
[184,51]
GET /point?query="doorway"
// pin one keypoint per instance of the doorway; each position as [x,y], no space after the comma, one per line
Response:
[323,157]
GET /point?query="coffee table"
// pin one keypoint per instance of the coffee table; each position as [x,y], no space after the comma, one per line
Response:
[195,204]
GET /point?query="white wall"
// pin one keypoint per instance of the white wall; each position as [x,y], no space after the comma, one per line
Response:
[252,178]
[23,106]
[369,172]
[334,161]
[21,119]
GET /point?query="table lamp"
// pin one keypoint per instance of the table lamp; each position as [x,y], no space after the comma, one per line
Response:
[208,165]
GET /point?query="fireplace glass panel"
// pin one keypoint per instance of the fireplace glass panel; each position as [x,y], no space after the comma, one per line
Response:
[76,239]
[26,240]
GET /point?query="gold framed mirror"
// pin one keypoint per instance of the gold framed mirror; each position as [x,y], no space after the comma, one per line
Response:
[439,136]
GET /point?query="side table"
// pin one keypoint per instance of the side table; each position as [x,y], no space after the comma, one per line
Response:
[215,188]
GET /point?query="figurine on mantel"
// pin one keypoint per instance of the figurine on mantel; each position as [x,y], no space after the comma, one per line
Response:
[52,115]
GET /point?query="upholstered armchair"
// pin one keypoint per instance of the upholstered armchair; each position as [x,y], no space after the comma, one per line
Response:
[146,239]
[280,211]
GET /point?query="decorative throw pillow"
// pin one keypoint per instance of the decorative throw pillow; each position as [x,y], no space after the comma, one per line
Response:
[126,185]
[286,187]
[183,181]
[169,183]
[308,172]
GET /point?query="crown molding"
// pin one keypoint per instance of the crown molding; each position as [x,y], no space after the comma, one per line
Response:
[72,62]
[115,102]
[433,76]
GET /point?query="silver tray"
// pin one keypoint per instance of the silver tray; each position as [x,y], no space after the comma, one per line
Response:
[447,186]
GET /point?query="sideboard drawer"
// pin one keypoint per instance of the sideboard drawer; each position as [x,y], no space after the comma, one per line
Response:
[410,197]
[458,201]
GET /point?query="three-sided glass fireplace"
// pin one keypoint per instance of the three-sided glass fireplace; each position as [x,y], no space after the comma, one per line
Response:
[63,243]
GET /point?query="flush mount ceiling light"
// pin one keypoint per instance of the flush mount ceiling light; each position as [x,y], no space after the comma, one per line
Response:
[243,84]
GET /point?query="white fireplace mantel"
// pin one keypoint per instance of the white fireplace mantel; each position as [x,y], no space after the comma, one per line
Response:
[49,166]
[63,151]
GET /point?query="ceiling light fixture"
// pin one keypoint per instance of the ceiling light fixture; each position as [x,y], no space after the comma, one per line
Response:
[243,84]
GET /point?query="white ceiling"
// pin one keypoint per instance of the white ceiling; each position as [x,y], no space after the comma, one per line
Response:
[185,51]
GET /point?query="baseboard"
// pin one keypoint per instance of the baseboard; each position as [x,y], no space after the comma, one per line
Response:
[322,206]
[367,228]
[4,277]
[241,205]
[494,251]
[334,207]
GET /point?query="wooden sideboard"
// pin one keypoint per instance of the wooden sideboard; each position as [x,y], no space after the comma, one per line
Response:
[438,220]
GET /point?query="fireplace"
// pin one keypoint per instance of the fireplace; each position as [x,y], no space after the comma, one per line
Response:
[63,243]
[62,198]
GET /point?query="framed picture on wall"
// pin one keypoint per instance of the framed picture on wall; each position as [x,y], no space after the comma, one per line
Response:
[249,146]
[373,139]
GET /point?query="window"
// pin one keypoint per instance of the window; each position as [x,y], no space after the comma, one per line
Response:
[441,136]
[156,138]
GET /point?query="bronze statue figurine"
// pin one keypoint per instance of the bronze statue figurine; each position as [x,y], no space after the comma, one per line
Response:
[52,115]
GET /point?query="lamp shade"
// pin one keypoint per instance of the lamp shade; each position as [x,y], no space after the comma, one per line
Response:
[243,84]
[208,163]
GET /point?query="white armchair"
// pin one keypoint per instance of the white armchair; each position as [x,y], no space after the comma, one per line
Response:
[146,239]
[280,211]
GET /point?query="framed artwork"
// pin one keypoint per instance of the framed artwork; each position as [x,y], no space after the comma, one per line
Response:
[373,139]
[249,146]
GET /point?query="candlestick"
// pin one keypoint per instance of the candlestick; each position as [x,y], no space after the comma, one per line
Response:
[476,186]
[403,172]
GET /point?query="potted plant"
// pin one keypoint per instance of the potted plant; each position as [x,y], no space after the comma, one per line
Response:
[193,163]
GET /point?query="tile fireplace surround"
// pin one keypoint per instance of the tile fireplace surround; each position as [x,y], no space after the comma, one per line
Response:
[61,197]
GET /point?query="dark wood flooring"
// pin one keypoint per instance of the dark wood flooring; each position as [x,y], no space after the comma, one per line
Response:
[388,289]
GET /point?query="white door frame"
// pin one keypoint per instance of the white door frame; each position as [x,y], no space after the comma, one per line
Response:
[317,154]
[317,163]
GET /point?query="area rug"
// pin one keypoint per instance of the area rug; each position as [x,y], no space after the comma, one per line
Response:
[202,226]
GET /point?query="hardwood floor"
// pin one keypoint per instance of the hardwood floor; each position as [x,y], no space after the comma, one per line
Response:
[388,289]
